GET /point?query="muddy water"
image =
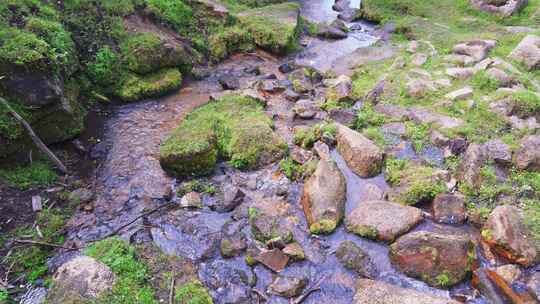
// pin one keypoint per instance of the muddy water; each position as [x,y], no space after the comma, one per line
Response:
[130,181]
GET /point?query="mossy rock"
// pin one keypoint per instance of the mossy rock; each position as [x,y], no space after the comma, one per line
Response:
[233,128]
[229,41]
[134,87]
[145,53]
[274,28]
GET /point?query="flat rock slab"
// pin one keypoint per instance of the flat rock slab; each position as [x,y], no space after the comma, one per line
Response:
[382,220]
[360,153]
[376,292]
[425,116]
[460,94]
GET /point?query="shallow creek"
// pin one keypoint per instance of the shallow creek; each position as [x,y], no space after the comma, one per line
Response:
[130,180]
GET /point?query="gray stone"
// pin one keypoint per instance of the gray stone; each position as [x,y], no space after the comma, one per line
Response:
[460,94]
[449,209]
[287,287]
[360,153]
[528,155]
[352,257]
[528,52]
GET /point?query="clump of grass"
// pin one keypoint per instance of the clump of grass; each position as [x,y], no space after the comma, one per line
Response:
[367,117]
[200,186]
[307,137]
[132,277]
[133,87]
[193,293]
[38,174]
[295,171]
[175,13]
[418,134]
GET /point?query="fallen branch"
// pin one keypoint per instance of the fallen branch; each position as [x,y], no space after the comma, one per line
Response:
[171,292]
[34,137]
[260,294]
[312,289]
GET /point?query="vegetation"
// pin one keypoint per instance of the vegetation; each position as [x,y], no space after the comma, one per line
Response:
[307,137]
[193,293]
[133,87]
[233,128]
[197,185]
[37,174]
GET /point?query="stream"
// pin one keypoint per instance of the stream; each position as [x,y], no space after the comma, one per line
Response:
[131,181]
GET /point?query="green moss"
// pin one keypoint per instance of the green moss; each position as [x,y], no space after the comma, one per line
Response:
[486,234]
[323,227]
[367,117]
[131,284]
[197,185]
[38,174]
[234,128]
[532,219]
[4,295]
[103,69]
[442,280]
[526,103]
[375,134]
[250,260]
[133,87]
[365,231]
[193,293]
[175,13]
[230,40]
[418,134]
[24,49]
[307,137]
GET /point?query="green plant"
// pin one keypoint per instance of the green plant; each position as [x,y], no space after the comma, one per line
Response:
[38,174]
[418,134]
[175,13]
[367,117]
[103,68]
[4,296]
[290,168]
[307,137]
[442,280]
[193,293]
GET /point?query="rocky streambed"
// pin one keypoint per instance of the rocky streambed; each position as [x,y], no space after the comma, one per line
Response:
[256,236]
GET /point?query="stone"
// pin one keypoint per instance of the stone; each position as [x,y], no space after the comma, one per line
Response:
[426,116]
[352,257]
[294,251]
[322,150]
[330,32]
[419,59]
[528,155]
[460,73]
[420,73]
[377,292]
[300,155]
[460,94]
[471,164]
[270,86]
[372,193]
[191,200]
[487,287]
[341,5]
[449,209]
[394,128]
[345,117]
[267,228]
[287,287]
[382,220]
[301,83]
[349,14]
[393,111]
[443,83]
[413,46]
[419,87]
[37,204]
[510,272]
[323,200]
[80,278]
[274,259]
[502,78]
[361,154]
[229,83]
[291,95]
[438,139]
[534,285]
[528,52]
[498,152]
[232,246]
[81,196]
[507,234]
[341,90]
[232,196]
[440,260]
[461,60]
[477,49]
[504,8]
[305,109]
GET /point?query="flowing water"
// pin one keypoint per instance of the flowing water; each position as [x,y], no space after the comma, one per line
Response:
[130,181]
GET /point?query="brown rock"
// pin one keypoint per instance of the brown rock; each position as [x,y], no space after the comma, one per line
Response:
[506,233]
[360,153]
[528,52]
[528,155]
[471,164]
[287,287]
[382,220]
[449,209]
[477,49]
[503,8]
[439,260]
[274,259]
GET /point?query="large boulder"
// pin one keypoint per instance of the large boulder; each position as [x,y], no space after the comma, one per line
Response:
[507,234]
[376,292]
[352,257]
[78,279]
[449,208]
[528,155]
[324,197]
[528,52]
[382,220]
[503,8]
[360,153]
[437,259]
[478,50]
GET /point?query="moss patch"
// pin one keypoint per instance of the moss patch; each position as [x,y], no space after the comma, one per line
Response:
[323,227]
[134,87]
[193,293]
[234,128]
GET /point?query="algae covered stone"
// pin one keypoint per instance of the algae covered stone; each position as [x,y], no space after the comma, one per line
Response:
[134,87]
[233,127]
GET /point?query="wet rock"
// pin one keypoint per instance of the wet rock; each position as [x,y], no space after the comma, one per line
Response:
[306,109]
[425,116]
[341,5]
[503,8]
[228,282]
[460,94]
[528,52]
[534,285]
[300,155]
[341,90]
[528,155]
[354,258]
[510,272]
[471,165]
[373,193]
[191,200]
[376,292]
[507,234]
[449,209]
[232,246]
[460,73]
[485,285]
[419,59]
[301,83]
[498,152]
[330,32]
[323,200]
[291,95]
[231,198]
[274,259]
[477,49]
[349,14]
[80,278]
[266,227]
[420,87]
[437,259]
[322,150]
[345,117]
[361,154]
[294,251]
[270,86]
[287,67]
[287,287]
[229,83]
[382,220]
